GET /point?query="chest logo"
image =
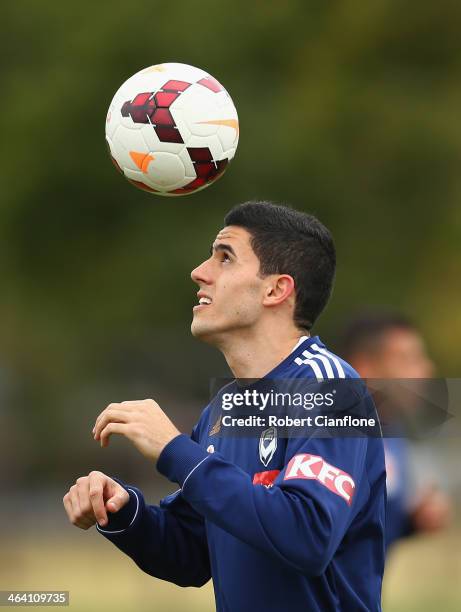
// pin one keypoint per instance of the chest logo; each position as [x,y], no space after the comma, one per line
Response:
[267,445]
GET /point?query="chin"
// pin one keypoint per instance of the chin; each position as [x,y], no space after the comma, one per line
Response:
[204,332]
[199,330]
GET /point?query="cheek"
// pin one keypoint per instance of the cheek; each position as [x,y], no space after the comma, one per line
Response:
[237,292]
[246,301]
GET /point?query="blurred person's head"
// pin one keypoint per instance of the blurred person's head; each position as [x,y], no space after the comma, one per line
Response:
[386,345]
[270,270]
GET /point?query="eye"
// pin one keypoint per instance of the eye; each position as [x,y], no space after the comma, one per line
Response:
[225,257]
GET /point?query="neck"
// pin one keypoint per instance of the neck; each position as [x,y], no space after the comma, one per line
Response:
[254,353]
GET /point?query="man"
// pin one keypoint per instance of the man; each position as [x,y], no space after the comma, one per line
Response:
[385,345]
[279,524]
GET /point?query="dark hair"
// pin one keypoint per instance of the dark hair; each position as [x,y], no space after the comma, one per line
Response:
[365,331]
[288,241]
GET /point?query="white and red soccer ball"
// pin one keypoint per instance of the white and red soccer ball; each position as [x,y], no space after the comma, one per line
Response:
[172,129]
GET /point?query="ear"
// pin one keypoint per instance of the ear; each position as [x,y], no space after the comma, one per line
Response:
[280,288]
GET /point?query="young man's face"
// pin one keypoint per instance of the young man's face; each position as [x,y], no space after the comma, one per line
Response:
[230,280]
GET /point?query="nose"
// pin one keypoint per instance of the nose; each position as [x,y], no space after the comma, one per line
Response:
[201,274]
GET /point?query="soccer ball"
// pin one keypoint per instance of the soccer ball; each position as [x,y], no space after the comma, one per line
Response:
[172,129]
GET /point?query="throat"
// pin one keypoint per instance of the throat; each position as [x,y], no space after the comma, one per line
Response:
[255,360]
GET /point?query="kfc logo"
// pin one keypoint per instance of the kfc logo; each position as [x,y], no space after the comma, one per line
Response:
[313,467]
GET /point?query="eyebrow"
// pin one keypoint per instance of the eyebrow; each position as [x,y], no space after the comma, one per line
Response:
[222,247]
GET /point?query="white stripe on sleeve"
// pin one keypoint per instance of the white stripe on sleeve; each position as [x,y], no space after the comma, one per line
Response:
[132,520]
[335,360]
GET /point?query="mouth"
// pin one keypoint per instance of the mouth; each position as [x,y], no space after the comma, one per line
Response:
[204,301]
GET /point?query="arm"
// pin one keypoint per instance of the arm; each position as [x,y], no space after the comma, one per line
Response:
[166,541]
[301,520]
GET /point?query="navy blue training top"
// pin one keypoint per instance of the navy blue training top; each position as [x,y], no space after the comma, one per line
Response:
[298,526]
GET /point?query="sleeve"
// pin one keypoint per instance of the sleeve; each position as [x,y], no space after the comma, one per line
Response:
[166,541]
[300,520]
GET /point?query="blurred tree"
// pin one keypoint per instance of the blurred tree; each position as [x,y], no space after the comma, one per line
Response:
[348,109]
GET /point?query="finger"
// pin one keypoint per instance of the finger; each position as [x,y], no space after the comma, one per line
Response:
[118,428]
[77,518]
[73,495]
[119,415]
[100,415]
[119,499]
[111,406]
[68,507]
[114,503]
[86,509]
[127,405]
[96,495]
[110,416]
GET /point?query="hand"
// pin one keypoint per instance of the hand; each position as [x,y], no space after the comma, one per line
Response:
[143,422]
[433,512]
[89,499]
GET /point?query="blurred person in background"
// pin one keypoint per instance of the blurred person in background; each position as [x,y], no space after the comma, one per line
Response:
[387,345]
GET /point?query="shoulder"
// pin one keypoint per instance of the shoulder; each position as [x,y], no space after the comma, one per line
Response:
[313,359]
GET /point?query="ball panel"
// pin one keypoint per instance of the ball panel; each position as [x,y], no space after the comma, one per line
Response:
[112,121]
[165,171]
[188,165]
[228,138]
[154,145]
[126,141]
[211,142]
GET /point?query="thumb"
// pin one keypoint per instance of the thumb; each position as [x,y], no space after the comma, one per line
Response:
[117,501]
